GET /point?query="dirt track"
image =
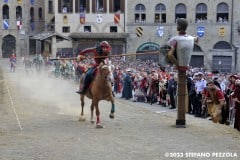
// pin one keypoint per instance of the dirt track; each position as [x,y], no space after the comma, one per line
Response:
[48,111]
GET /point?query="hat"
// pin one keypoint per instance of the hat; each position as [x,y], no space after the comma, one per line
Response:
[128,70]
[200,73]
[210,82]
[234,76]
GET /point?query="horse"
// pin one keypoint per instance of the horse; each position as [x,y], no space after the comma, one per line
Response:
[100,89]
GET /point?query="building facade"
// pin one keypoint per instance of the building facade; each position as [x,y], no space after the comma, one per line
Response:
[130,26]
[217,23]
[20,19]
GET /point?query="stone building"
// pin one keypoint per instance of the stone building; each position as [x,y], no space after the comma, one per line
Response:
[217,23]
[20,20]
[130,26]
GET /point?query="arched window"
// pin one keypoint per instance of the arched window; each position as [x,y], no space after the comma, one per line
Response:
[5,12]
[222,45]
[222,13]
[160,13]
[31,14]
[40,14]
[18,12]
[201,13]
[140,13]
[180,11]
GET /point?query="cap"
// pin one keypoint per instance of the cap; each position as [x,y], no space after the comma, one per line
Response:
[234,76]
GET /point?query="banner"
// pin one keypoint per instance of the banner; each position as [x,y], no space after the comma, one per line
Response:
[117,18]
[82,18]
[5,24]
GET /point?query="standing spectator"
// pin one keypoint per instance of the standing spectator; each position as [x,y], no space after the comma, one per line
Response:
[172,89]
[200,85]
[236,99]
[127,88]
[13,61]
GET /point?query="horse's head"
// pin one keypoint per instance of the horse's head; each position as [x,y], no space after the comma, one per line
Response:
[105,71]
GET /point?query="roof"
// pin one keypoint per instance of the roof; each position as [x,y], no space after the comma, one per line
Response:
[90,35]
[48,34]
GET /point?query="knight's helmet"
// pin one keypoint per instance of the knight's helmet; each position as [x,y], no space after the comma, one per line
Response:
[106,45]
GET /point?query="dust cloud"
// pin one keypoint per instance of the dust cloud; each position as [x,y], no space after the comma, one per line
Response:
[44,88]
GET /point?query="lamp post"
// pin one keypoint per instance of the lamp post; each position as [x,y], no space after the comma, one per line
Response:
[180,54]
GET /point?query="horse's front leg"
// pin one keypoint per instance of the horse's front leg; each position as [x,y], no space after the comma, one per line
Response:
[82,118]
[111,115]
[92,109]
[98,123]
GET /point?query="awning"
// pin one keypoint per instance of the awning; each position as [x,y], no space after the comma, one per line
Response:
[48,34]
[90,35]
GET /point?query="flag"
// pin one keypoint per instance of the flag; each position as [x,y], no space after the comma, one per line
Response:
[5,24]
[19,24]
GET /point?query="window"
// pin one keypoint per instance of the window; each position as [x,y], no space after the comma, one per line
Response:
[99,6]
[160,13]
[140,15]
[113,29]
[180,11]
[5,12]
[31,14]
[87,29]
[222,13]
[82,6]
[116,6]
[201,13]
[50,6]
[65,6]
[40,14]
[19,12]
[66,29]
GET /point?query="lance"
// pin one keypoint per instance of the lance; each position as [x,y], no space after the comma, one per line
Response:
[109,56]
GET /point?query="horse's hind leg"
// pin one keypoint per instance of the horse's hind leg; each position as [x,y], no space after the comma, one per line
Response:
[82,118]
[111,115]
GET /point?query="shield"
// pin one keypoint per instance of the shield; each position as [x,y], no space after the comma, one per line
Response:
[82,18]
[200,31]
[5,24]
[160,31]
[221,32]
[32,2]
[99,18]
[117,18]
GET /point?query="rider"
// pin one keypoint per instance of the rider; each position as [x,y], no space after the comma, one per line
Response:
[102,49]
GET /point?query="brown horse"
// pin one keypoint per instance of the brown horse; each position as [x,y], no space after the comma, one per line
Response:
[100,89]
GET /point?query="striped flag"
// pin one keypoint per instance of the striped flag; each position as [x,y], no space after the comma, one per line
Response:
[5,24]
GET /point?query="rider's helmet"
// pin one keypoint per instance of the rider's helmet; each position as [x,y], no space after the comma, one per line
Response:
[105,46]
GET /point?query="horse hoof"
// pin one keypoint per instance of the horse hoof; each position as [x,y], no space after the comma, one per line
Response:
[111,115]
[99,126]
[82,118]
[92,121]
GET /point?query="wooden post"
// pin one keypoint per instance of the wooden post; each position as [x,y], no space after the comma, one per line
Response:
[181,99]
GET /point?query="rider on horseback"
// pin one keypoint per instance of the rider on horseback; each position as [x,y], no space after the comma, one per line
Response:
[102,49]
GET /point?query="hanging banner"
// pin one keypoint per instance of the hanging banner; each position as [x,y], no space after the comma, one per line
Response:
[200,31]
[5,24]
[5,1]
[160,31]
[99,18]
[19,24]
[32,26]
[221,32]
[19,1]
[117,18]
[82,18]
[65,19]
[139,31]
